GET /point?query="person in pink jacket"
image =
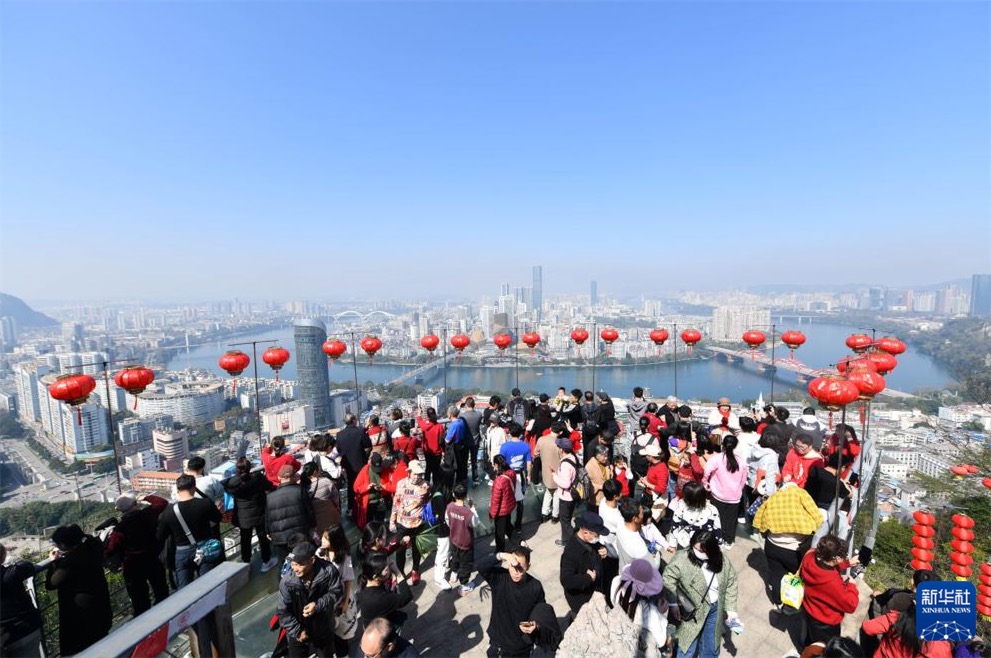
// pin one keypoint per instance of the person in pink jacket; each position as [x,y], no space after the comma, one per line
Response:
[724,478]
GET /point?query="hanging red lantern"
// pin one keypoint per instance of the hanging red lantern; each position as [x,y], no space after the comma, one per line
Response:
[963,534]
[986,571]
[134,379]
[923,542]
[986,482]
[754,339]
[793,339]
[924,530]
[925,517]
[984,588]
[334,349]
[430,342]
[919,564]
[891,345]
[984,610]
[659,336]
[833,392]
[859,343]
[276,357]
[983,600]
[885,362]
[691,337]
[922,554]
[579,335]
[74,390]
[234,362]
[961,558]
[962,521]
[609,336]
[964,547]
[848,363]
[531,339]
[460,342]
[961,571]
[502,341]
[868,382]
[972,470]
[371,345]
[959,470]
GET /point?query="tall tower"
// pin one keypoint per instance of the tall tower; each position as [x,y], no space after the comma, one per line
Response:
[593,297]
[980,296]
[538,291]
[312,379]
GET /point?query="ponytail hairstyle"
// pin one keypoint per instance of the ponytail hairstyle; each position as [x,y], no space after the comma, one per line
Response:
[311,471]
[431,414]
[730,442]
[903,632]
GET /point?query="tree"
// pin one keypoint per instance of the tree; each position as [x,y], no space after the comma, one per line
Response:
[10,426]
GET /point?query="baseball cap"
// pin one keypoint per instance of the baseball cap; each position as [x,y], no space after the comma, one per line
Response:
[303,552]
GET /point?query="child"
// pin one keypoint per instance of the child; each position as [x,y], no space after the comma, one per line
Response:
[437,518]
[335,548]
[375,539]
[462,520]
[622,474]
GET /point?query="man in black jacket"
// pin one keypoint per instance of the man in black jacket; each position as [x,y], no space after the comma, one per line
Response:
[513,629]
[133,539]
[354,447]
[307,599]
[581,562]
[20,621]
[287,511]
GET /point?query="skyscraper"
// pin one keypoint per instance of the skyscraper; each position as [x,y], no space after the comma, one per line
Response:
[593,298]
[980,296]
[312,379]
[538,291]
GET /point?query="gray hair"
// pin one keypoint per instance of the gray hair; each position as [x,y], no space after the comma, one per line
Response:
[452,411]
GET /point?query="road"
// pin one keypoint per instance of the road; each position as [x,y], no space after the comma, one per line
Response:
[54,487]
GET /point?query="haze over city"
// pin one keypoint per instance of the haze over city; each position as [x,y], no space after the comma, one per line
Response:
[190,151]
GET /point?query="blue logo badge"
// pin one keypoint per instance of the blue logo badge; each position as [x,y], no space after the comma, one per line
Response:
[946,611]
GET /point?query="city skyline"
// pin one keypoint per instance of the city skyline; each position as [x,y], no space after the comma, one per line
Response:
[427,150]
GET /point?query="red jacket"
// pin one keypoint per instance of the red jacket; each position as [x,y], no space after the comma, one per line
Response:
[433,436]
[890,648]
[272,464]
[658,475]
[576,442]
[406,445]
[827,597]
[798,466]
[655,423]
[390,478]
[503,500]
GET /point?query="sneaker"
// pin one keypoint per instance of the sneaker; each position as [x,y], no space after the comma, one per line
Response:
[488,483]
[271,564]
[465,590]
[544,518]
[443,585]
[414,578]
[554,519]
[727,546]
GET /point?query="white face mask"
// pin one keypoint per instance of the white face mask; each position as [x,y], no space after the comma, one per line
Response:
[700,554]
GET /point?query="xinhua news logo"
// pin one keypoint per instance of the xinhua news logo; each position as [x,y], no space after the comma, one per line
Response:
[946,611]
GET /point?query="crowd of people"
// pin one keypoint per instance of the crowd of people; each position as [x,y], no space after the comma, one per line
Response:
[649,507]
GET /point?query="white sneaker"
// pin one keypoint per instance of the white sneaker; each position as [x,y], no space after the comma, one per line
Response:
[268,566]
[442,585]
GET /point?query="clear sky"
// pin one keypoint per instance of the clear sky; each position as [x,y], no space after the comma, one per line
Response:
[331,149]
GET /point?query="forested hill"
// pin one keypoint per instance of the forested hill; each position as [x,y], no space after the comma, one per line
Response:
[964,348]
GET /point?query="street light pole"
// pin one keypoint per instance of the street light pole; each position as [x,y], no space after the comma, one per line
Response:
[258,405]
[595,352]
[773,368]
[675,337]
[516,352]
[354,364]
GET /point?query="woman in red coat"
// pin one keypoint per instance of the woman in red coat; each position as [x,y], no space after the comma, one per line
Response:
[432,439]
[374,488]
[503,502]
[828,594]
[899,638]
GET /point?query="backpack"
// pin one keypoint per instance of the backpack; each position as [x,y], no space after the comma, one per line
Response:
[590,422]
[518,411]
[582,488]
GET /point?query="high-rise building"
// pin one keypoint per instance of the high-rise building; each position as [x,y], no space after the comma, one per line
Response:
[26,376]
[980,296]
[537,296]
[593,297]
[8,333]
[312,378]
[172,445]
[730,322]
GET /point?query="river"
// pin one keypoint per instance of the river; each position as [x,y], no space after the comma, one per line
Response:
[710,378]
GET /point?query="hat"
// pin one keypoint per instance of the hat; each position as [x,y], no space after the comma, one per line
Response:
[125,503]
[643,577]
[565,444]
[724,402]
[592,521]
[286,471]
[375,460]
[652,450]
[303,552]
[416,467]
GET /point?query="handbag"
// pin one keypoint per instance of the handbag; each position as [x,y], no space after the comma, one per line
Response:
[754,506]
[426,541]
[686,606]
[792,590]
[210,551]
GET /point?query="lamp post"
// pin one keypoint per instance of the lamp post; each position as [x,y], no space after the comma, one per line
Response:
[254,360]
[595,351]
[674,325]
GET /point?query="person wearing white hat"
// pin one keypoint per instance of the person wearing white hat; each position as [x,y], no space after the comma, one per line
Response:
[412,495]
[637,592]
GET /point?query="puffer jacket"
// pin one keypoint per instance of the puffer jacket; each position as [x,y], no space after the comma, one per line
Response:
[287,511]
[325,590]
[503,500]
[249,498]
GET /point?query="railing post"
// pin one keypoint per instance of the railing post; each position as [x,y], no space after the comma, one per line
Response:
[223,620]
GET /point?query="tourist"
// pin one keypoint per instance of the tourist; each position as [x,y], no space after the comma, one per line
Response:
[599,470]
[608,509]
[693,512]
[462,519]
[376,598]
[762,468]
[724,478]
[75,570]
[378,436]
[572,412]
[656,479]
[407,446]
[336,549]
[287,511]
[656,421]
[564,478]
[828,594]
[457,445]
[274,457]
[822,484]
[207,486]
[643,438]
[354,446]
[20,621]
[516,598]
[518,408]
[723,419]
[669,412]
[788,519]
[747,436]
[495,437]
[550,460]
[635,409]
[638,592]
[630,541]
[392,424]
[899,638]
[473,418]
[412,495]
[606,415]
[381,639]
[589,420]
[520,460]
[318,450]
[851,448]
[542,420]
[325,499]
[308,599]
[581,562]
[808,423]
[801,458]
[133,539]
[703,578]
[375,487]
[503,502]
[432,438]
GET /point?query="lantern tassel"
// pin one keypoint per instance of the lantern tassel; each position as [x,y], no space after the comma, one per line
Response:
[79,416]
[276,375]
[830,420]
[135,403]
[863,412]
[235,387]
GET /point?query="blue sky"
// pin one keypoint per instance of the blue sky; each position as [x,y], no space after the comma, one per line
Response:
[325,150]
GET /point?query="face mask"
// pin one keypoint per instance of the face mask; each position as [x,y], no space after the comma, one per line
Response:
[701,555]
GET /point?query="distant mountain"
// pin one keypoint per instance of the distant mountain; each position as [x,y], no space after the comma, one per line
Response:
[773,288]
[24,315]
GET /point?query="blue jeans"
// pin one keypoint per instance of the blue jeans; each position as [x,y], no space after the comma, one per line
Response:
[708,638]
[186,570]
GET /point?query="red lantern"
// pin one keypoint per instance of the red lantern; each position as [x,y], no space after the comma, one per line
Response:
[234,362]
[334,349]
[923,542]
[691,337]
[531,339]
[984,610]
[962,559]
[371,345]
[924,530]
[983,600]
[963,534]
[964,547]
[502,341]
[850,362]
[986,482]
[891,345]
[276,357]
[859,343]
[460,342]
[579,335]
[609,336]
[430,342]
[972,470]
[984,589]
[961,571]
[924,517]
[919,564]
[659,337]
[869,383]
[794,340]
[833,392]
[74,390]
[885,362]
[922,554]
[754,339]
[134,379]
[986,570]
[959,470]
[962,521]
